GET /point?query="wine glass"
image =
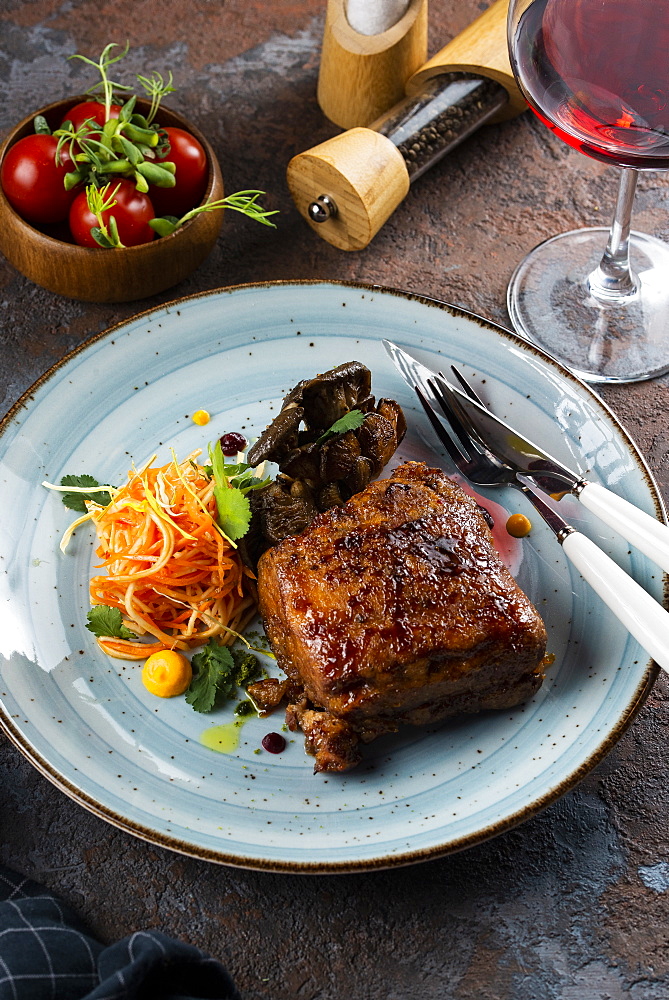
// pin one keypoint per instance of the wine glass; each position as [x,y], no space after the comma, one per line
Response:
[596,72]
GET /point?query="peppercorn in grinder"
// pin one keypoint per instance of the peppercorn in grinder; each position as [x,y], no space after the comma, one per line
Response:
[348,186]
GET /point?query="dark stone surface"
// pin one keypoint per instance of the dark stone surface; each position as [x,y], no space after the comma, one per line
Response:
[573,905]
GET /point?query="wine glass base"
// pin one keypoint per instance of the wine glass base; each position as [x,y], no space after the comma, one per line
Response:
[551,305]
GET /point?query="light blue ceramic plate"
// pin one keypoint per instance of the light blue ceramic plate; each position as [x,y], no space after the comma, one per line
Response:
[88,724]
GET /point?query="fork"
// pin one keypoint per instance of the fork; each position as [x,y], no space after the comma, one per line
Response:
[645,619]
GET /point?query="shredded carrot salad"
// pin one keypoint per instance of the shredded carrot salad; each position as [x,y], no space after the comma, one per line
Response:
[169,568]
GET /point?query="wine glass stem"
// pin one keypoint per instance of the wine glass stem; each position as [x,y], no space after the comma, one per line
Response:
[613,279]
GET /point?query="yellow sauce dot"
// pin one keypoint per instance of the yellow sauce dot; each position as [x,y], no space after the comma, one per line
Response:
[518,525]
[201,417]
[166,673]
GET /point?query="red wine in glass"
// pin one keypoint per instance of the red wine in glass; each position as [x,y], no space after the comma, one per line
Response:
[597,74]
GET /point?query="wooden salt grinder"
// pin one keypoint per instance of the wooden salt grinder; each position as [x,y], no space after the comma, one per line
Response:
[348,186]
[361,76]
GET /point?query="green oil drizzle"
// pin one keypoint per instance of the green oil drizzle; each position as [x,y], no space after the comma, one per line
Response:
[225,738]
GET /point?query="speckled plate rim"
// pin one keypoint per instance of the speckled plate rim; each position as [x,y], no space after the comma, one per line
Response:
[154,837]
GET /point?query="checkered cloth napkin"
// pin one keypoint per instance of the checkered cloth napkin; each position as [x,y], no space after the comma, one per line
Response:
[47,954]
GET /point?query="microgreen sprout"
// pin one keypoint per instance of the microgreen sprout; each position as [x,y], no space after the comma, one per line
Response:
[41,125]
[155,88]
[90,154]
[99,200]
[104,62]
[245,202]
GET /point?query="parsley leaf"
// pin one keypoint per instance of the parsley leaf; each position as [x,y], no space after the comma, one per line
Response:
[349,422]
[234,509]
[106,621]
[214,666]
[75,501]
[218,672]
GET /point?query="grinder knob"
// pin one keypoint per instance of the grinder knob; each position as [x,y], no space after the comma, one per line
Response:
[362,173]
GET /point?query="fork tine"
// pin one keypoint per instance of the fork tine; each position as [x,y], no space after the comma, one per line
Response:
[458,457]
[454,415]
[469,389]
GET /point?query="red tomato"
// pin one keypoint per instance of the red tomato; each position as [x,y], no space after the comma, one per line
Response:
[190,160]
[33,181]
[132,212]
[90,109]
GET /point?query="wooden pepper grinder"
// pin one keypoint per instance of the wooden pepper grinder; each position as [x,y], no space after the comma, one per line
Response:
[370,49]
[347,187]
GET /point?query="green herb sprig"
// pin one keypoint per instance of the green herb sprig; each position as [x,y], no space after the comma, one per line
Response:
[106,85]
[99,201]
[349,422]
[107,622]
[245,202]
[218,672]
[155,88]
[232,483]
[84,486]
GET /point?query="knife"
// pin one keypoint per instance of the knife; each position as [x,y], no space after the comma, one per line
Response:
[530,461]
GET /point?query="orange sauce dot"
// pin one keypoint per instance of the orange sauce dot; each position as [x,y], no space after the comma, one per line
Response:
[167,673]
[518,525]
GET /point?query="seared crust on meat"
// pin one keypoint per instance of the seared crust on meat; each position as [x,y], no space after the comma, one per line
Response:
[396,607]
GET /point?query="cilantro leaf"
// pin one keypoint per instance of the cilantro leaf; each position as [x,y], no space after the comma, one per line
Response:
[234,513]
[242,476]
[75,501]
[234,509]
[106,621]
[349,422]
[213,668]
[217,673]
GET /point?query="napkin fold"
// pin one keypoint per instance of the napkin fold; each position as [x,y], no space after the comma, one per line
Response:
[46,953]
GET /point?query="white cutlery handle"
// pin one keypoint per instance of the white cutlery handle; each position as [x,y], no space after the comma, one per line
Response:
[641,615]
[644,532]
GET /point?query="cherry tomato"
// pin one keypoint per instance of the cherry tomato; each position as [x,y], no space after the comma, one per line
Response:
[33,181]
[190,160]
[90,109]
[132,212]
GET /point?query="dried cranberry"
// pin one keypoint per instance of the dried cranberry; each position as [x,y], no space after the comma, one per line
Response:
[232,443]
[274,743]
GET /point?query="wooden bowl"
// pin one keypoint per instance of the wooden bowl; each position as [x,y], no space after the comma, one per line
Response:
[46,256]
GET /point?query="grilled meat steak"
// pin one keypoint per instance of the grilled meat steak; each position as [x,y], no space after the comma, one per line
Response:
[394,608]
